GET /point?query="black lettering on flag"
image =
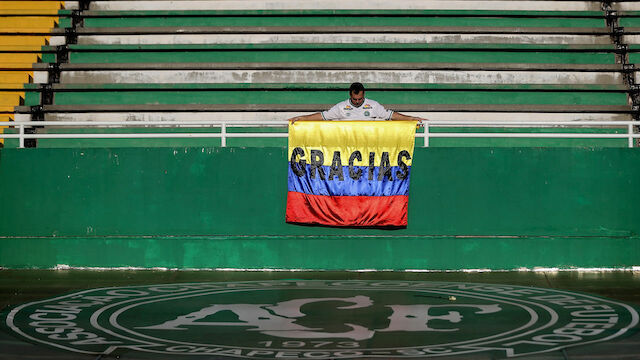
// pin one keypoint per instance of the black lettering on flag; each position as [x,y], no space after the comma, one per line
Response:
[372,158]
[336,167]
[385,167]
[401,164]
[355,175]
[298,168]
[317,159]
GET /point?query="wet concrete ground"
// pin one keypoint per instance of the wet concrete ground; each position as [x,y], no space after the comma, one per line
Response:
[24,286]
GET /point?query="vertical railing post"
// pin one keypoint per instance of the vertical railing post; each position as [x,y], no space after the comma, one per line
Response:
[223,135]
[426,134]
[630,133]
[21,138]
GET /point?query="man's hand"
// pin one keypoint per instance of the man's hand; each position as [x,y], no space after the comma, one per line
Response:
[315,116]
[294,119]
[400,116]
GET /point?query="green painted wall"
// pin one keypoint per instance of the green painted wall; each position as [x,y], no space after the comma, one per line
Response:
[192,96]
[349,18]
[500,208]
[345,55]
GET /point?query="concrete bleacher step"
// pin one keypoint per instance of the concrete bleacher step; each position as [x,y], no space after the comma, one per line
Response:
[329,18]
[10,98]
[18,58]
[20,24]
[410,73]
[626,5]
[418,52]
[16,77]
[349,35]
[339,5]
[35,5]
[139,94]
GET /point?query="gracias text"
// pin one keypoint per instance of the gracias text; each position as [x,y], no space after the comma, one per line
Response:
[298,165]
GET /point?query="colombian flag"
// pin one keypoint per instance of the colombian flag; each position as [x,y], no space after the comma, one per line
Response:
[350,173]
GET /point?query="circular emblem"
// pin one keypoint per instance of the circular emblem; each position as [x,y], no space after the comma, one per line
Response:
[321,320]
[366,113]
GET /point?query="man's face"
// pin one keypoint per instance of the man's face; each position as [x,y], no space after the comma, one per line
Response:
[357,99]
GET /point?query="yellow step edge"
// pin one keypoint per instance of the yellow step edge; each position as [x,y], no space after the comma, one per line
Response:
[17,5]
[28,22]
[29,12]
[15,66]
[25,30]
[4,95]
[4,118]
[5,47]
[16,86]
[24,77]
[11,99]
[23,58]
[24,40]
[7,109]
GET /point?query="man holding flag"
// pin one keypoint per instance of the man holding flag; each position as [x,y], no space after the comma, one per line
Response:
[357,107]
[350,173]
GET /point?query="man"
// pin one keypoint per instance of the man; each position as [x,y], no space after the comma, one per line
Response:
[357,107]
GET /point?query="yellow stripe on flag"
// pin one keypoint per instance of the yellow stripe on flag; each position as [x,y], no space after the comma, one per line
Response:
[348,137]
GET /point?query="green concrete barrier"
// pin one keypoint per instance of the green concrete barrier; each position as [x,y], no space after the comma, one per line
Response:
[566,96]
[345,18]
[333,53]
[497,208]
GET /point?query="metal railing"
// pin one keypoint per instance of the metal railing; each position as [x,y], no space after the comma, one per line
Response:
[224,125]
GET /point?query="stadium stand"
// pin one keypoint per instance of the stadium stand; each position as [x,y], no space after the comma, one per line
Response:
[626,17]
[25,27]
[454,60]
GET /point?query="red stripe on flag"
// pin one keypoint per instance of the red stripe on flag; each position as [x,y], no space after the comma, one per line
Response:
[347,210]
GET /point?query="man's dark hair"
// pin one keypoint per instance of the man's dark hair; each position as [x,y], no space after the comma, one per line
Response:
[355,88]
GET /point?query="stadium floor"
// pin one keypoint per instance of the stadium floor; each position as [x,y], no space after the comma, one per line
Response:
[19,287]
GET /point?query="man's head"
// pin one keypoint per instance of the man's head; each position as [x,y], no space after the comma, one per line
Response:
[356,94]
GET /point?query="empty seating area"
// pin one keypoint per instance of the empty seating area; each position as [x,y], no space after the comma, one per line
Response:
[257,61]
[25,27]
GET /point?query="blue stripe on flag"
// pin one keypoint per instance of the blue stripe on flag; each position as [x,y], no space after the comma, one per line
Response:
[348,186]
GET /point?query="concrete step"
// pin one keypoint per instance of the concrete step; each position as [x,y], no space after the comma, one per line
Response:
[31,40]
[35,5]
[332,53]
[348,38]
[362,17]
[114,95]
[341,5]
[432,75]
[626,5]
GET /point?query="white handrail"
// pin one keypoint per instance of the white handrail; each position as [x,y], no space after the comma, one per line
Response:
[611,123]
[224,134]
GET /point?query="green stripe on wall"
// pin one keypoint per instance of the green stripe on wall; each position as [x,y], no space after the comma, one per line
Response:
[241,191]
[331,56]
[335,96]
[322,252]
[224,208]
